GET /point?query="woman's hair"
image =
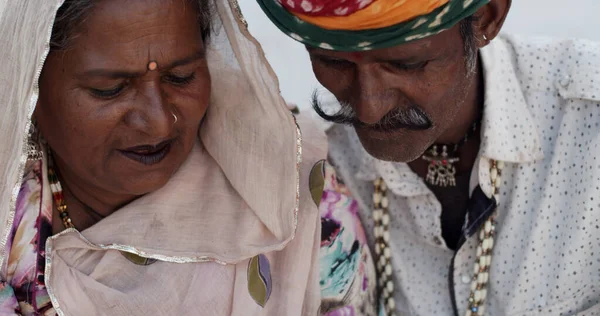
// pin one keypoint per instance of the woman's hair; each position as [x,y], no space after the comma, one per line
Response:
[73,13]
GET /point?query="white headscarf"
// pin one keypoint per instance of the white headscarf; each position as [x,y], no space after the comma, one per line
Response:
[251,160]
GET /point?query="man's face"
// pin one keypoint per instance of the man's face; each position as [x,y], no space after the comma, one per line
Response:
[402,99]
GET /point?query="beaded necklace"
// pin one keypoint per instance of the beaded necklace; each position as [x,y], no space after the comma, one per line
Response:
[61,206]
[481,266]
[57,195]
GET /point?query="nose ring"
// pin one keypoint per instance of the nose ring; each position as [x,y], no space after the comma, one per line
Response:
[175,116]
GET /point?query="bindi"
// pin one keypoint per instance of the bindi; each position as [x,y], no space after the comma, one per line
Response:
[152,66]
[357,56]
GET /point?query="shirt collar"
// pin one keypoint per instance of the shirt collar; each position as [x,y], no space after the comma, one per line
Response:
[509,130]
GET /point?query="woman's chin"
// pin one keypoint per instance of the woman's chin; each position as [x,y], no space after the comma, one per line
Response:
[139,177]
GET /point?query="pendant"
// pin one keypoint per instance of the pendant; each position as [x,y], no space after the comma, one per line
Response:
[441,171]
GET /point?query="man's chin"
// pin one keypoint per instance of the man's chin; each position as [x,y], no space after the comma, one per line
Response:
[402,147]
[385,155]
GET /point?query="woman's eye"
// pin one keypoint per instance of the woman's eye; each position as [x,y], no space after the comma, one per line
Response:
[108,93]
[180,80]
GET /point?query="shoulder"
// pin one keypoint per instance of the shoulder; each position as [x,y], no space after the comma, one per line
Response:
[344,145]
[314,140]
[568,67]
[559,80]
[346,269]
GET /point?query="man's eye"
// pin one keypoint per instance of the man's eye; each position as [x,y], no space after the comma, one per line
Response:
[413,66]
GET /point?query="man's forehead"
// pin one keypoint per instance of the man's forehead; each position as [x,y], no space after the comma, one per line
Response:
[413,49]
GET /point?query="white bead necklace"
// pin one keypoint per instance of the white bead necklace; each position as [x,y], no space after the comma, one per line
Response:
[383,253]
[483,259]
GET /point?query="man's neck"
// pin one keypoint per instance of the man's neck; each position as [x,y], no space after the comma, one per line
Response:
[469,112]
[467,115]
[454,199]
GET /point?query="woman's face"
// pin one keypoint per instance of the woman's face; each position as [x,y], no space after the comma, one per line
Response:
[112,123]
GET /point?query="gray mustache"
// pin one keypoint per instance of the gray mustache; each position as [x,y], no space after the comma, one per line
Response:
[400,118]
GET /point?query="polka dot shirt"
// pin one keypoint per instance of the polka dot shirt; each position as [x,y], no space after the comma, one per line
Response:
[542,118]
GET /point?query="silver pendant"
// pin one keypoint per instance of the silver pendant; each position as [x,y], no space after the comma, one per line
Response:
[34,151]
[441,171]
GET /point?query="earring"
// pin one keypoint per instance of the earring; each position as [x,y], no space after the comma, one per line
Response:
[174,116]
[485,38]
[34,151]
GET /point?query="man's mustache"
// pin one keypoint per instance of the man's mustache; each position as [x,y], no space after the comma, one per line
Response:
[412,118]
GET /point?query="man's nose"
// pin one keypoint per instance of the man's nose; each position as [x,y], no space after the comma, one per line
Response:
[371,99]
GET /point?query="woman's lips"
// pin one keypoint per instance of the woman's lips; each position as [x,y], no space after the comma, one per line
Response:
[149,154]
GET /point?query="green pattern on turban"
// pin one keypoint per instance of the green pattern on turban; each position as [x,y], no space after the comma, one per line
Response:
[441,19]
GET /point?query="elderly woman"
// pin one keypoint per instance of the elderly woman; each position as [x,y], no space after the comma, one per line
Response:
[162,173]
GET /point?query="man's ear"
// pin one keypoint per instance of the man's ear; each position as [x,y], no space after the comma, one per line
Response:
[489,20]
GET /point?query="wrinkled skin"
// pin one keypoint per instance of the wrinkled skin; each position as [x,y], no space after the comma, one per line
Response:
[430,74]
[98,99]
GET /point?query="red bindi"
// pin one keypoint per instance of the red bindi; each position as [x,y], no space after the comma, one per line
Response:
[357,56]
[152,66]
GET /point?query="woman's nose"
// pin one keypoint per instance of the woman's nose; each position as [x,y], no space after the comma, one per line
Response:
[157,115]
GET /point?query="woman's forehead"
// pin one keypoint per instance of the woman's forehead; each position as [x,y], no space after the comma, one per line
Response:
[139,31]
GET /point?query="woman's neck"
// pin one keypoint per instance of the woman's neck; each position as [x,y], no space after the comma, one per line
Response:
[86,203]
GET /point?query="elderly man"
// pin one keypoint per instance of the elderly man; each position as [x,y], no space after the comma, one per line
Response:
[473,156]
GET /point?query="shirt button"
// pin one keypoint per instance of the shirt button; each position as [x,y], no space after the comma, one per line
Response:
[465,279]
[565,81]
[437,240]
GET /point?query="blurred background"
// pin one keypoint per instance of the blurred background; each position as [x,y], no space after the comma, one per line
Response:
[555,18]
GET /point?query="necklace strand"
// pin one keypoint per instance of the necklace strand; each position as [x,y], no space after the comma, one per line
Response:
[483,260]
[383,252]
[481,267]
[61,206]
[59,199]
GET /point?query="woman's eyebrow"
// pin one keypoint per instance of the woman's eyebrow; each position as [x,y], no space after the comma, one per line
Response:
[187,60]
[116,74]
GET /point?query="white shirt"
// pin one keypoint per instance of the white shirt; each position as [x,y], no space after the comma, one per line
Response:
[542,118]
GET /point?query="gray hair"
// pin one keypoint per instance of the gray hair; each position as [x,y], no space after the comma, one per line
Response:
[73,13]
[470,43]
